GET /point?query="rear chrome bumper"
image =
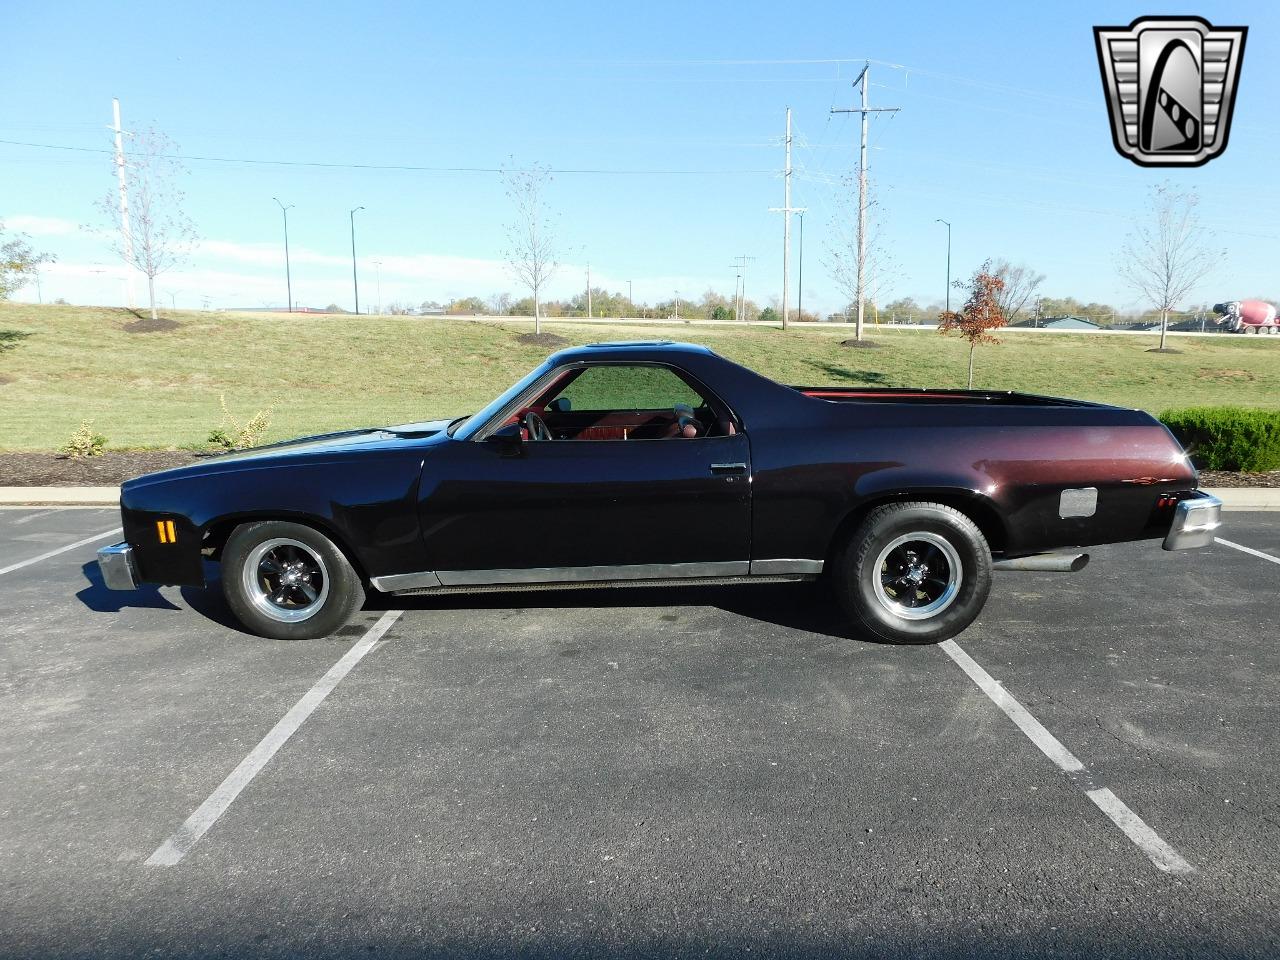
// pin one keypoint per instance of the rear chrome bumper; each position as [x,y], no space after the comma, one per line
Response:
[118,570]
[1194,522]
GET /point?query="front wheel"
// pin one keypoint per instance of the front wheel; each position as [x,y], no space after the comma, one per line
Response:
[287,581]
[914,573]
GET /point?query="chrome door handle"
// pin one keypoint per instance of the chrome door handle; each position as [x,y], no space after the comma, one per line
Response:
[728,468]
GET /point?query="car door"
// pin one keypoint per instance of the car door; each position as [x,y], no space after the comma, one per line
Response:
[590,509]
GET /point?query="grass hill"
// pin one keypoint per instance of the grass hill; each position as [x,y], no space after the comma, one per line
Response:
[146,384]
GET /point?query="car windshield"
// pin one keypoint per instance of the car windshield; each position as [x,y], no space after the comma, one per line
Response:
[467,428]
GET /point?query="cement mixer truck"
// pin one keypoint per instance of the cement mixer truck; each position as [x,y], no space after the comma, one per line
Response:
[1247,316]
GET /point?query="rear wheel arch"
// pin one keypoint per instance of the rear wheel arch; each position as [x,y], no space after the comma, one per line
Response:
[984,514]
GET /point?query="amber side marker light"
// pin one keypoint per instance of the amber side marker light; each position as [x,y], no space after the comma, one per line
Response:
[165,529]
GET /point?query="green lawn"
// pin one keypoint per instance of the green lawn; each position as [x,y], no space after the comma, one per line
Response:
[161,389]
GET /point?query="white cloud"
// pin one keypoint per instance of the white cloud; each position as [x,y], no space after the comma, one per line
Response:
[226,273]
[40,226]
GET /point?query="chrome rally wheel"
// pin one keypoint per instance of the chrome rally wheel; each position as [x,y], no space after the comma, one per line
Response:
[286,580]
[919,575]
[913,572]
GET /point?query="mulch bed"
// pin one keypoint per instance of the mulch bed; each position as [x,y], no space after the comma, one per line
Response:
[148,325]
[1224,478]
[542,339]
[58,470]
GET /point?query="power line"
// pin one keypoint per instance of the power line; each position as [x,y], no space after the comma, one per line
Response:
[412,168]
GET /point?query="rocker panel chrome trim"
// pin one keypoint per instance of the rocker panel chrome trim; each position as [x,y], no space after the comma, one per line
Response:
[405,581]
[630,571]
[772,567]
[427,579]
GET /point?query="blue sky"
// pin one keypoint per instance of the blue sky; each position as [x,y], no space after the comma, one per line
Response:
[1002,131]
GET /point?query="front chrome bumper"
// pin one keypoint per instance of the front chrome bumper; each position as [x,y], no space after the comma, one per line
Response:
[118,570]
[1194,522]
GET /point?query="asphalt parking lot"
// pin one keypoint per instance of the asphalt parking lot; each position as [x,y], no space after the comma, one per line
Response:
[644,773]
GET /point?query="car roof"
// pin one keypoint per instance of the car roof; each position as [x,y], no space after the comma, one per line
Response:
[628,349]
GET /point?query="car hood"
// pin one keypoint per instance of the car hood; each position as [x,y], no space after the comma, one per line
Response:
[372,439]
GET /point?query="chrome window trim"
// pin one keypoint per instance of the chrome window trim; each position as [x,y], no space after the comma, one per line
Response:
[604,572]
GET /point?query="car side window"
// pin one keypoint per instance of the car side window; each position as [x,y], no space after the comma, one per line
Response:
[619,387]
[631,402]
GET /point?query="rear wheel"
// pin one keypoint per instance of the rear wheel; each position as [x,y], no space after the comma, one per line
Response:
[287,581]
[914,573]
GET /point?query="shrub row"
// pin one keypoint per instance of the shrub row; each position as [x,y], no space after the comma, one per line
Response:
[1228,438]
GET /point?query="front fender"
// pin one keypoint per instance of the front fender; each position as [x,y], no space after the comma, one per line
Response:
[366,503]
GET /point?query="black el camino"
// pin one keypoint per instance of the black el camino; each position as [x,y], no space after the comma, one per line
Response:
[663,463]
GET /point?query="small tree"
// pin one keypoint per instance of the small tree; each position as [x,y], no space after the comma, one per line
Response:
[158,234]
[844,253]
[18,263]
[1165,258]
[981,312]
[1020,284]
[531,248]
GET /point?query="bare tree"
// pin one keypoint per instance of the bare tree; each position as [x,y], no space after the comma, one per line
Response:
[1166,257]
[158,235]
[531,248]
[1020,284]
[841,259]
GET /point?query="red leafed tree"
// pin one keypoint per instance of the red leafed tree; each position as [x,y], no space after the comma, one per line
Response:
[981,312]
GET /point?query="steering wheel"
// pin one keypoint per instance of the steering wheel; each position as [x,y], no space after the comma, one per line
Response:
[536,426]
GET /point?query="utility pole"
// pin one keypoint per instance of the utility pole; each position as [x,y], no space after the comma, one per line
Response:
[588,291]
[126,233]
[940,220]
[741,306]
[631,304]
[737,280]
[800,292]
[288,279]
[355,277]
[786,210]
[677,305]
[863,80]
[377,265]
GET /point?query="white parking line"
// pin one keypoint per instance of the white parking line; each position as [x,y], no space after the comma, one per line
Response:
[1248,550]
[1135,828]
[206,815]
[53,553]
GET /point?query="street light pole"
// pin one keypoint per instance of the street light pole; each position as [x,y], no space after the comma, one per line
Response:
[288,279]
[355,277]
[631,304]
[378,266]
[940,220]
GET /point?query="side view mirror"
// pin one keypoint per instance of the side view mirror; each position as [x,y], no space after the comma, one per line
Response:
[508,439]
